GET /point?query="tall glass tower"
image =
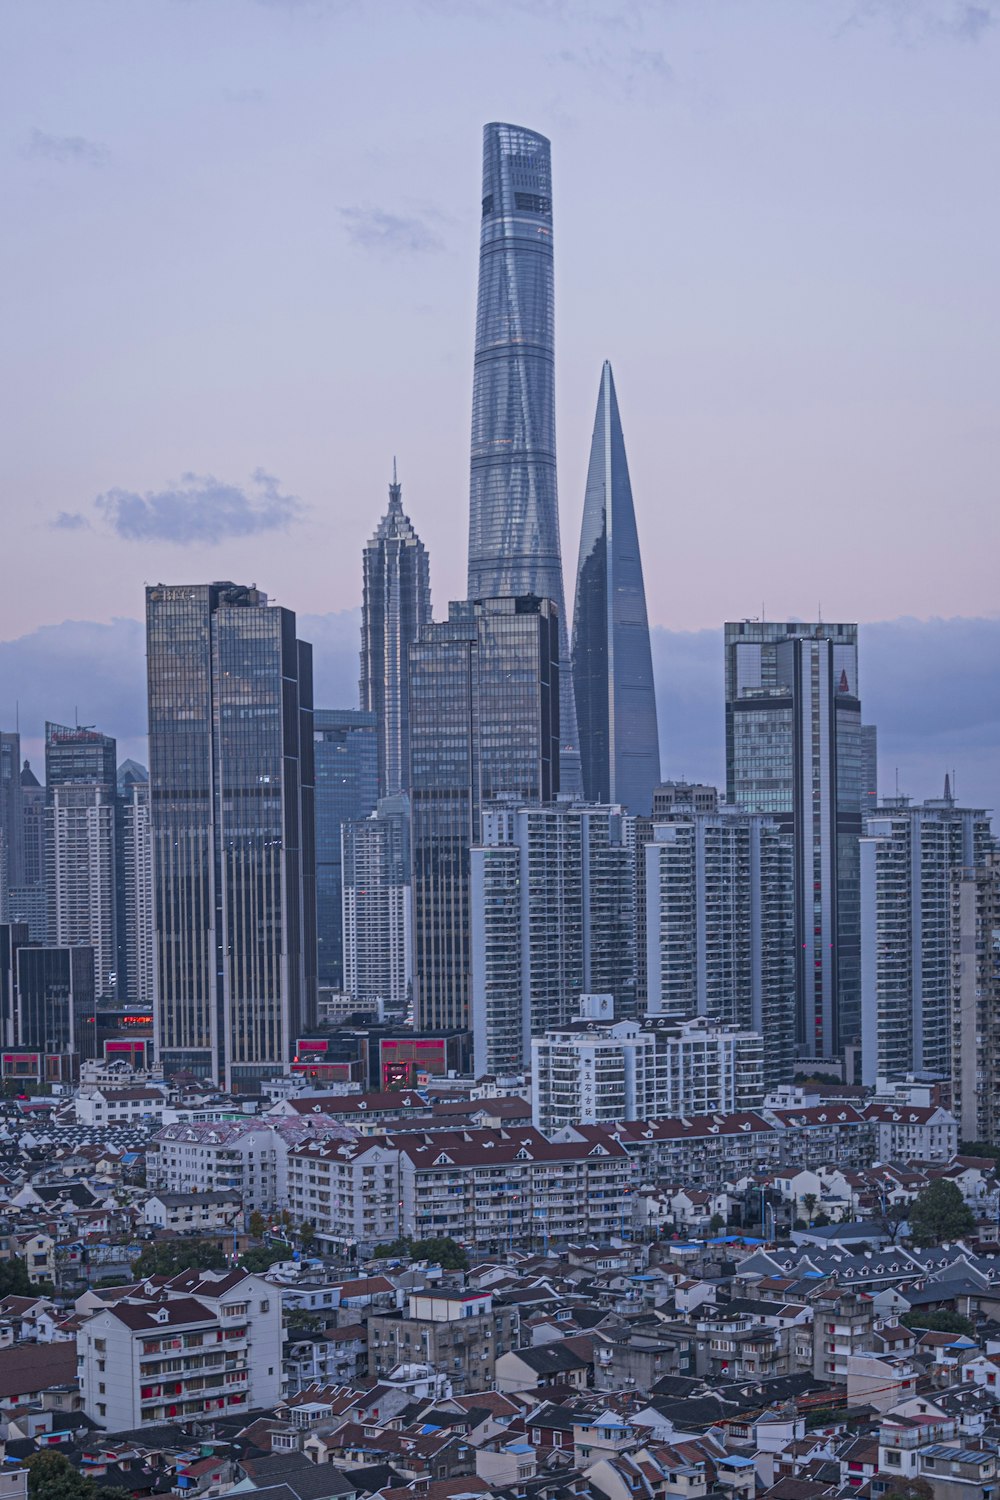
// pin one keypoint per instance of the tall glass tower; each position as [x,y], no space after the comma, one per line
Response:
[397,601]
[793,750]
[232,826]
[513,501]
[346,756]
[612,665]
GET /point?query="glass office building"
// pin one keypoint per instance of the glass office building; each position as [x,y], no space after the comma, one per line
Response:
[232,824]
[612,665]
[484,724]
[793,750]
[55,1007]
[513,506]
[346,752]
[396,601]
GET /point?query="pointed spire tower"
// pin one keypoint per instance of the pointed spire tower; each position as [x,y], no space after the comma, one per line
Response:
[396,603]
[612,664]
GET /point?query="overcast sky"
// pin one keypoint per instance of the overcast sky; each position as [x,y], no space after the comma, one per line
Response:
[239,266]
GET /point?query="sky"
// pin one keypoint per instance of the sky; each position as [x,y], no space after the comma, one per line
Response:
[239,272]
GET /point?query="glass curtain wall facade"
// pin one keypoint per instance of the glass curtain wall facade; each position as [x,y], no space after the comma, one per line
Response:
[396,602]
[347,750]
[612,664]
[513,505]
[11,819]
[484,724]
[135,887]
[55,999]
[793,751]
[232,823]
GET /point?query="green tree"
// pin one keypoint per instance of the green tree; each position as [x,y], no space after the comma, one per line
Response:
[307,1235]
[168,1257]
[14,1279]
[258,1224]
[940,1213]
[53,1477]
[938,1322]
[262,1257]
[809,1202]
[716,1223]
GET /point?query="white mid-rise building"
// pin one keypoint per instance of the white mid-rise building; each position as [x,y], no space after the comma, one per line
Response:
[593,1070]
[599,1070]
[245,1156]
[182,1351]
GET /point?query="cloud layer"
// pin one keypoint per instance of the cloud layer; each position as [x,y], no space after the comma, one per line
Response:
[373,229]
[68,150]
[931,686]
[200,509]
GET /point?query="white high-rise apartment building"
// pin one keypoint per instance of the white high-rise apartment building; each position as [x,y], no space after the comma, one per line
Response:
[378,945]
[975,1036]
[908,856]
[720,927]
[135,897]
[553,916]
[81,874]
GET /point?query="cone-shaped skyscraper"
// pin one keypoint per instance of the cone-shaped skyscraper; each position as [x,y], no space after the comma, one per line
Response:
[612,666]
[514,510]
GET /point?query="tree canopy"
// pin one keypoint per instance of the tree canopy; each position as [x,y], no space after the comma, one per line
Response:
[51,1476]
[943,1321]
[940,1213]
[169,1257]
[445,1252]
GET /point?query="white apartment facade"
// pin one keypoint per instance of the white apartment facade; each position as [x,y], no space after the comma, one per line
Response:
[599,1070]
[202,1344]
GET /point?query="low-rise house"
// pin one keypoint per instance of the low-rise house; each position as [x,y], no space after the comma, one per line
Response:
[188,1212]
[563,1363]
[464,1335]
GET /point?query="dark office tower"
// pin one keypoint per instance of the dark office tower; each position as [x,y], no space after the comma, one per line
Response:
[396,602]
[484,725]
[135,886]
[514,508]
[869,768]
[232,829]
[346,749]
[81,846]
[612,665]
[75,755]
[55,999]
[13,935]
[29,901]
[11,818]
[793,750]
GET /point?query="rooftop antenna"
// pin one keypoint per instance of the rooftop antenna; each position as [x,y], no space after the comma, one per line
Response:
[17,715]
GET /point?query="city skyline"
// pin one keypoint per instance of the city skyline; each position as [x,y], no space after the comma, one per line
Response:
[781,293]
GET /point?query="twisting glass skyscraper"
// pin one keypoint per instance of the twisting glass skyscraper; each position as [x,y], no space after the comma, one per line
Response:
[397,601]
[612,665]
[514,508]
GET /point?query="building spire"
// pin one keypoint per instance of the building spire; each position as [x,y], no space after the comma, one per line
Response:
[395,490]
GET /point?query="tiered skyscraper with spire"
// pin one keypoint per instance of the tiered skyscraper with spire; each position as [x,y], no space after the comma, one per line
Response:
[396,602]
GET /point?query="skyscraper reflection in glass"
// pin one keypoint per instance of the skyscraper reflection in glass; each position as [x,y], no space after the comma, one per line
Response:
[612,665]
[233,827]
[513,503]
